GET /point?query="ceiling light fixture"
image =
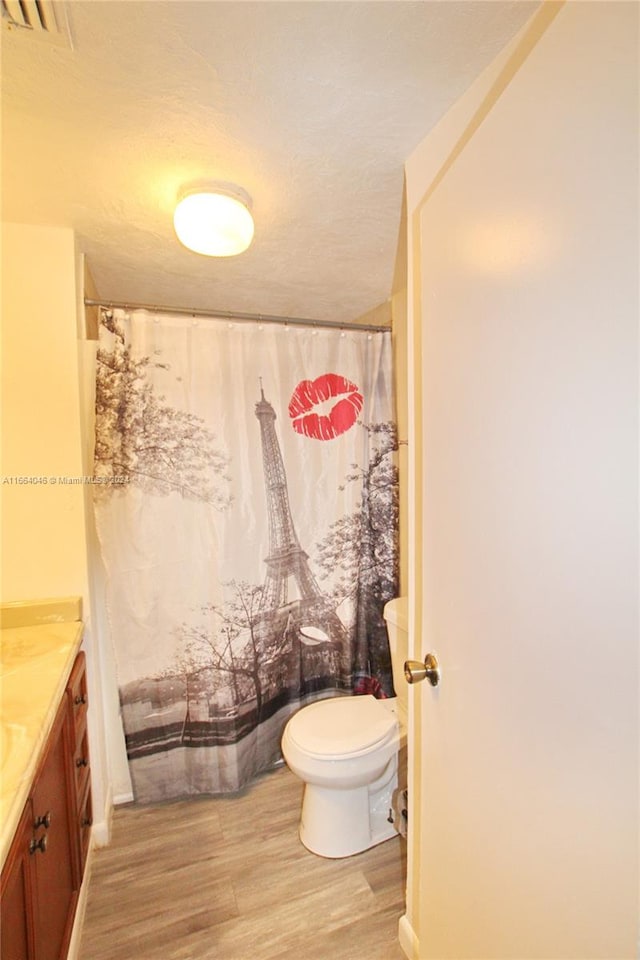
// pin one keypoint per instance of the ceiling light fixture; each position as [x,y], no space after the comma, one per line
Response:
[214,219]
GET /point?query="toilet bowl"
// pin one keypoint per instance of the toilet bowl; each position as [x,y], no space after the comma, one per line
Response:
[345,750]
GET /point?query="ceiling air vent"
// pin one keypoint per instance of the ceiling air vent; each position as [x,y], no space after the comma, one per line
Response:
[42,19]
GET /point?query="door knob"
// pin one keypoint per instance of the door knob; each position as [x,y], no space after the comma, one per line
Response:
[415,671]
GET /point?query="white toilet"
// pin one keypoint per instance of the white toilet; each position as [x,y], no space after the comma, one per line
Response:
[345,750]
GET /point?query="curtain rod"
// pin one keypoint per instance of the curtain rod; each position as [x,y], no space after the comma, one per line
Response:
[230,315]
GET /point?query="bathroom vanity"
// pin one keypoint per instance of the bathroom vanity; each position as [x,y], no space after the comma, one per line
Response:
[45,793]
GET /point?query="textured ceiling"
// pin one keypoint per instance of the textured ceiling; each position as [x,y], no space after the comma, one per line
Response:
[310,107]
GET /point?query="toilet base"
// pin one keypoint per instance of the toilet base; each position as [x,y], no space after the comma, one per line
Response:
[338,823]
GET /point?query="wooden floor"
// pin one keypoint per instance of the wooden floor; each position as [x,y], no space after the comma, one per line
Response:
[227,878]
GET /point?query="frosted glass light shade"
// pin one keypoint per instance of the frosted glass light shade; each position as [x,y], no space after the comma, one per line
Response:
[213,224]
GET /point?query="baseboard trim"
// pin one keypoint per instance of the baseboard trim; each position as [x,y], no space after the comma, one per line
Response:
[408,941]
[101,829]
[121,798]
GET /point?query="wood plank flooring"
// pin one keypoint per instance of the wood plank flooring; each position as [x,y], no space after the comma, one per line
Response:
[228,879]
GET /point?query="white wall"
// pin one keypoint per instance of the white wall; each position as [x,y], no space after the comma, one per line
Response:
[43,532]
[44,525]
[524,323]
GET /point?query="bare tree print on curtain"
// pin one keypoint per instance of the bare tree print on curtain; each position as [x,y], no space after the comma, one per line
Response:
[363,546]
[141,439]
[218,637]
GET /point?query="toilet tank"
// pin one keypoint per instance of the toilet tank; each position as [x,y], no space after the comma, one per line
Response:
[396,616]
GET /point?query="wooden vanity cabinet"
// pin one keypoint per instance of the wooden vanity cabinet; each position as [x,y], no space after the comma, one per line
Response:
[78,705]
[42,875]
[53,846]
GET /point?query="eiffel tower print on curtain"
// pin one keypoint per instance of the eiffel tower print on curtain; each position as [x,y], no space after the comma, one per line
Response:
[316,640]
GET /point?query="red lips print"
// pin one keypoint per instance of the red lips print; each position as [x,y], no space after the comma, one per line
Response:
[308,406]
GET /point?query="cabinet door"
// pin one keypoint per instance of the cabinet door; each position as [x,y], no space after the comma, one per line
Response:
[52,845]
[16,931]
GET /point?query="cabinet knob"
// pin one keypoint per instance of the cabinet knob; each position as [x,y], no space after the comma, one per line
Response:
[80,699]
[44,821]
[82,762]
[40,845]
[86,821]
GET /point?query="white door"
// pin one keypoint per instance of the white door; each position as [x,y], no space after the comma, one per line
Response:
[527,259]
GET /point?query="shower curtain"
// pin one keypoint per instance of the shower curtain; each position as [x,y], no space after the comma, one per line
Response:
[246,503]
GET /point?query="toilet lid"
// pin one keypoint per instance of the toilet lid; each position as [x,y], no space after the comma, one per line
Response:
[341,726]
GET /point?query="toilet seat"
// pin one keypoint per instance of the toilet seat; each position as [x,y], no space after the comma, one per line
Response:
[342,727]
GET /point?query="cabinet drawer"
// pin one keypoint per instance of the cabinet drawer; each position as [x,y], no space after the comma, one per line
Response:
[81,762]
[77,692]
[85,815]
